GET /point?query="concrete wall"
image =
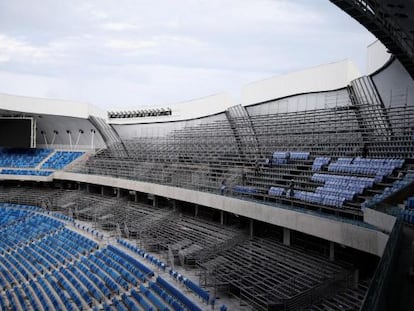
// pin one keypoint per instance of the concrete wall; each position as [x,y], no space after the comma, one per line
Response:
[49,106]
[128,131]
[377,56]
[26,178]
[382,221]
[191,109]
[302,102]
[395,85]
[48,124]
[322,78]
[346,234]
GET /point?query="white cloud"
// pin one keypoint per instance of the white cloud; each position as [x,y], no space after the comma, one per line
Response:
[11,48]
[130,45]
[119,26]
[164,51]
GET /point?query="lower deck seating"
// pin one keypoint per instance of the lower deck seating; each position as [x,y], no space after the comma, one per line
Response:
[44,265]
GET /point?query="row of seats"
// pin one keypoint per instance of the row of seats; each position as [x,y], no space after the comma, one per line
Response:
[123,267]
[153,298]
[60,159]
[299,155]
[177,294]
[191,285]
[276,191]
[64,284]
[353,183]
[106,284]
[407,216]
[80,240]
[318,198]
[8,216]
[319,162]
[245,189]
[147,271]
[344,193]
[282,157]
[142,253]
[20,206]
[89,230]
[142,302]
[410,203]
[388,191]
[197,290]
[23,158]
[25,230]
[337,189]
[69,271]
[26,172]
[61,216]
[166,296]
[377,167]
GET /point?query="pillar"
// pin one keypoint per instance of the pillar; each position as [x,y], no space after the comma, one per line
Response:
[155,201]
[286,236]
[251,228]
[196,211]
[174,205]
[356,278]
[331,251]
[102,190]
[135,197]
[222,217]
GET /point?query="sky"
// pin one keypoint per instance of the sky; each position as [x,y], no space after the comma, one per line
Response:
[135,53]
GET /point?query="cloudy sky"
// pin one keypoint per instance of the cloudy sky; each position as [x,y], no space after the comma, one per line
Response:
[132,53]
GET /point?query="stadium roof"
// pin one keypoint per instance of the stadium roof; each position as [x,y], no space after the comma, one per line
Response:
[392,22]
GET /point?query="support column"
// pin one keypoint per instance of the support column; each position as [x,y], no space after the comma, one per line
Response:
[356,278]
[286,236]
[251,228]
[135,197]
[118,193]
[331,251]
[174,205]
[222,217]
[102,190]
[87,188]
[196,211]
[155,201]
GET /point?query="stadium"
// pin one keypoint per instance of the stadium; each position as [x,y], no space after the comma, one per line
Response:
[298,197]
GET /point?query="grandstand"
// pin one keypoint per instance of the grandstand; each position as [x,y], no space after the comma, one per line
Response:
[299,197]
